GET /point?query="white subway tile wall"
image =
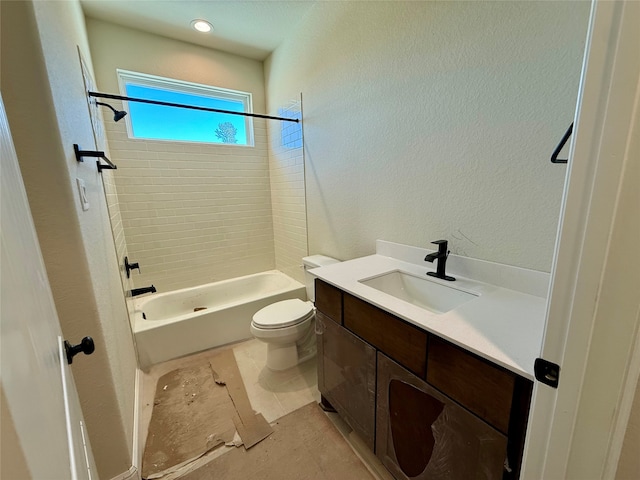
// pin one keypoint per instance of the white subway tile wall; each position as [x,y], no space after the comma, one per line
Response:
[286,167]
[115,217]
[193,213]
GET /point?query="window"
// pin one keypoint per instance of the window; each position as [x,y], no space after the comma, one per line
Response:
[158,122]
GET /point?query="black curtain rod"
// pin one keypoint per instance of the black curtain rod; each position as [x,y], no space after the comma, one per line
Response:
[180,105]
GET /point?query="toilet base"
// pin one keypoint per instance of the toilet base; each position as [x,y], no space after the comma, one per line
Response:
[281,357]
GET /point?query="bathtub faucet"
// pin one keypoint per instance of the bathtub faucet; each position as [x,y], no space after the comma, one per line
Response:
[140,291]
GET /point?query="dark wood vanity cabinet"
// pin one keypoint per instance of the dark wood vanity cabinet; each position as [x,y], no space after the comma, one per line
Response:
[329,300]
[429,409]
[347,376]
[405,343]
[424,435]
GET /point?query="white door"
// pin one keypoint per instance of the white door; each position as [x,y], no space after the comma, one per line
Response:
[574,431]
[36,379]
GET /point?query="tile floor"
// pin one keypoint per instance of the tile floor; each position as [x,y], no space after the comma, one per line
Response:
[274,394]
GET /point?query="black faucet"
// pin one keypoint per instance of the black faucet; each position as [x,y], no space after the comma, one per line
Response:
[441,255]
[130,266]
[140,291]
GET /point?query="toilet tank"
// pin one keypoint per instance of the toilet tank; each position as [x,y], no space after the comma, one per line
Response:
[310,262]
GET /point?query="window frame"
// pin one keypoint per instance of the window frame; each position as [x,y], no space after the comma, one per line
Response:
[191,88]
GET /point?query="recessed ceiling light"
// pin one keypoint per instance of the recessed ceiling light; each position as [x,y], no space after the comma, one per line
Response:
[202,26]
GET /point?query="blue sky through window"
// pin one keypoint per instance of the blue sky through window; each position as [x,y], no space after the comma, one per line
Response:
[179,124]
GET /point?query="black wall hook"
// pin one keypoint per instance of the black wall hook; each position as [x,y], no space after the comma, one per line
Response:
[94,154]
[563,141]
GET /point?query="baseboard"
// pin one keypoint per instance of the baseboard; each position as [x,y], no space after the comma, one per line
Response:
[132,474]
[134,470]
[136,453]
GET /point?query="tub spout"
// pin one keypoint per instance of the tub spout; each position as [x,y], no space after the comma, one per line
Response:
[140,291]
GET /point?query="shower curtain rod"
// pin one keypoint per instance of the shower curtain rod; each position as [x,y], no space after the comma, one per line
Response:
[180,105]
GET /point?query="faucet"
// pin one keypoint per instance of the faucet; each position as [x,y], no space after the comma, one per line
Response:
[140,291]
[130,266]
[441,255]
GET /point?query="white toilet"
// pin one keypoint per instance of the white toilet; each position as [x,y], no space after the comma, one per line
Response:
[288,327]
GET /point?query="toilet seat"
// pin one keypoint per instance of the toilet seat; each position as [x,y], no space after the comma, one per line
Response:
[283,314]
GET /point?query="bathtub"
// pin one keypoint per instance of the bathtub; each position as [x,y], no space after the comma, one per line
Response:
[172,324]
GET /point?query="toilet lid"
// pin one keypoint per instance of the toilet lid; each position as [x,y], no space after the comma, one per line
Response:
[283,314]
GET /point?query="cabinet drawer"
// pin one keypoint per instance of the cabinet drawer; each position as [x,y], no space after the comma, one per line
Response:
[404,343]
[328,300]
[484,389]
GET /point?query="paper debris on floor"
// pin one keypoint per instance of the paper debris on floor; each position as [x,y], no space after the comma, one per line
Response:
[251,426]
[196,410]
[305,445]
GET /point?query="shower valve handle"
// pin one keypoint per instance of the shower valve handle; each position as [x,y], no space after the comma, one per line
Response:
[130,266]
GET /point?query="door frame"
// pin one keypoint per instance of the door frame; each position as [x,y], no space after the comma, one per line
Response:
[606,120]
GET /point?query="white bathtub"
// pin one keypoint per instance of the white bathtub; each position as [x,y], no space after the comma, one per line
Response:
[172,328]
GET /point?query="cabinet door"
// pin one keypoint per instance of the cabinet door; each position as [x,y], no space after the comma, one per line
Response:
[422,434]
[347,376]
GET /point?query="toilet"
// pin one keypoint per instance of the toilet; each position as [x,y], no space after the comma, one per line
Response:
[288,326]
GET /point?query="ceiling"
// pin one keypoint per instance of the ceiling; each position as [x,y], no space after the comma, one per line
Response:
[251,29]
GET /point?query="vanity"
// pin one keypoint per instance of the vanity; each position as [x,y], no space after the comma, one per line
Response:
[438,386]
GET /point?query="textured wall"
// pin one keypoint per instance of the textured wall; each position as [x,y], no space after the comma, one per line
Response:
[192,213]
[286,167]
[47,110]
[428,120]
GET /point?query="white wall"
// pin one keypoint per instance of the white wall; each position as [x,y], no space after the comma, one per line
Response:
[192,213]
[429,120]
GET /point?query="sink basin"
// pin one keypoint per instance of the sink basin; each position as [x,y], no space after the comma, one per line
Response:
[419,291]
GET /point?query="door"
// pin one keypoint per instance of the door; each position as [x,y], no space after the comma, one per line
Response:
[36,380]
[575,431]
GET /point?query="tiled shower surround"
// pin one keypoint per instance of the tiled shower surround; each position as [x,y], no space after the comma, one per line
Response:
[286,170]
[196,213]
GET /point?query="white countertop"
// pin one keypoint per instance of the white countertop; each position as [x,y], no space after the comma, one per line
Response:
[502,325]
